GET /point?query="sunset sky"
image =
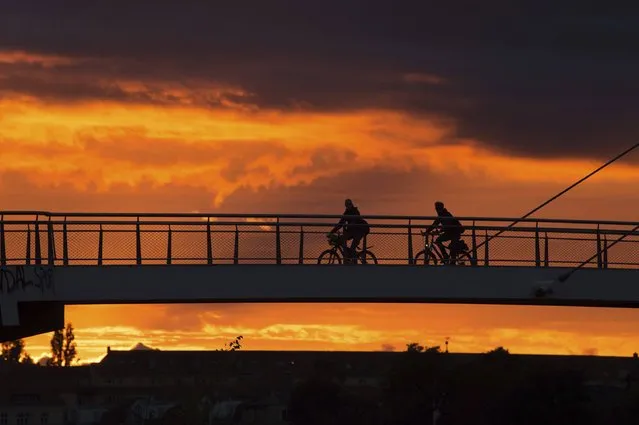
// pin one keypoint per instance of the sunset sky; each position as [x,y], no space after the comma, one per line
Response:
[290,107]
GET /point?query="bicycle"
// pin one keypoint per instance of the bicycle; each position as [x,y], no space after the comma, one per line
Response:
[432,252]
[336,254]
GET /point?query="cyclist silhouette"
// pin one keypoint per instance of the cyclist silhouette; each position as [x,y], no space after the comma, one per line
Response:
[355,233]
[452,230]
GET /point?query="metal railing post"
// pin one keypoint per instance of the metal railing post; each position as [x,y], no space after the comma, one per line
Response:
[537,248]
[546,262]
[138,243]
[100,245]
[301,259]
[3,249]
[474,244]
[65,243]
[598,248]
[28,253]
[605,252]
[168,247]
[236,251]
[278,242]
[411,260]
[486,260]
[51,245]
[209,244]
[38,248]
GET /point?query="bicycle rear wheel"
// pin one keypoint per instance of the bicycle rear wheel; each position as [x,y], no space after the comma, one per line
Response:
[330,256]
[425,258]
[464,259]
[367,257]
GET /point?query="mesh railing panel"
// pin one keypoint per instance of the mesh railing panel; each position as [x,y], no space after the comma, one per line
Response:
[119,244]
[16,238]
[625,254]
[154,243]
[255,241]
[83,242]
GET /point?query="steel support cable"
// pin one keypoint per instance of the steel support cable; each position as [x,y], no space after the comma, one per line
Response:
[546,288]
[622,154]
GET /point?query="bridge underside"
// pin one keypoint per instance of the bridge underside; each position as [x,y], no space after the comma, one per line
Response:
[308,283]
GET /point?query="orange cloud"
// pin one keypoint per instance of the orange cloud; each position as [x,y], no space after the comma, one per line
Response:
[46,61]
[107,144]
[417,77]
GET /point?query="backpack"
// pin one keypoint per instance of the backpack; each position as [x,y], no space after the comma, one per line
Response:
[461,227]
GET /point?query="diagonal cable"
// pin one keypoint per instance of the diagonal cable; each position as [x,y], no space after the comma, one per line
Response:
[622,154]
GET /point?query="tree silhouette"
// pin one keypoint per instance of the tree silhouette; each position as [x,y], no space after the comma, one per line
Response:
[414,347]
[499,351]
[57,348]
[63,347]
[27,359]
[12,351]
[70,351]
[414,384]
[234,345]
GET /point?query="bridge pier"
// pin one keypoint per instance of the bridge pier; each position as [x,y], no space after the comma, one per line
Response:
[34,318]
[26,304]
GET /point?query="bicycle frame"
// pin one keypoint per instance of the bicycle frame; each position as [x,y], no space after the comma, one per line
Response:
[432,247]
[339,248]
[433,250]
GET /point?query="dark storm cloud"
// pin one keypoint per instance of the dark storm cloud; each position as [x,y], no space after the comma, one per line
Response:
[540,80]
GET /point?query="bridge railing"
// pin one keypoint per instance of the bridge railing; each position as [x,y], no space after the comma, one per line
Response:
[107,239]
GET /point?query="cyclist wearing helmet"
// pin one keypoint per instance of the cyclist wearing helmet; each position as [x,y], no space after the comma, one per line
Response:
[355,233]
[451,231]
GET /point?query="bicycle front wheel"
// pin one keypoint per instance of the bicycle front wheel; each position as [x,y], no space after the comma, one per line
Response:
[367,257]
[330,256]
[425,258]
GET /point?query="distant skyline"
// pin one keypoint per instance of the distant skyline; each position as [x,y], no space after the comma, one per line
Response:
[209,107]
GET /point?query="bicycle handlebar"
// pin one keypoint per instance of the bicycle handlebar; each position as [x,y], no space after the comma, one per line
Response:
[436,231]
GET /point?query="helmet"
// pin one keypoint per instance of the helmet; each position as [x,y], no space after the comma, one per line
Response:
[439,205]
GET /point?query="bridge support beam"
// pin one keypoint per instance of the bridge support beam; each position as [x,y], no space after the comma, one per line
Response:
[26,304]
[327,283]
[29,293]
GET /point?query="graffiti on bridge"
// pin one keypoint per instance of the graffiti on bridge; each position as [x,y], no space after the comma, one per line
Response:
[14,278]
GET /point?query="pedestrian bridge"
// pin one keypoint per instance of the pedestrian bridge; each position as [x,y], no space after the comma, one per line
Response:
[49,260]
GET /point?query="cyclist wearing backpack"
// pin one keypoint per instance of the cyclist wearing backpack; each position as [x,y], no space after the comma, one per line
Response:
[355,233]
[452,230]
